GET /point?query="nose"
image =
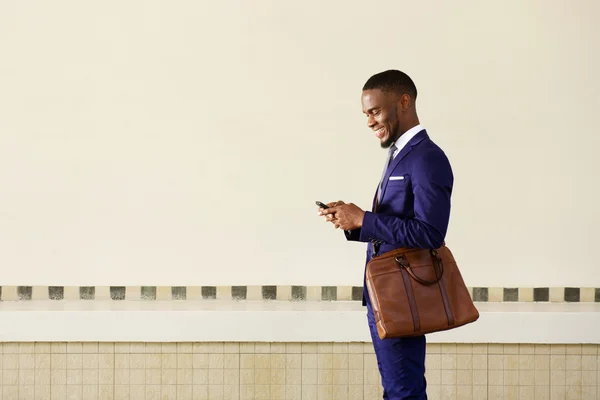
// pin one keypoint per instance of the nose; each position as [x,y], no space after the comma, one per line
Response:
[371,121]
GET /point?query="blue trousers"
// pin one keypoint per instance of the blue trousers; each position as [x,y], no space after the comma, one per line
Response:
[401,363]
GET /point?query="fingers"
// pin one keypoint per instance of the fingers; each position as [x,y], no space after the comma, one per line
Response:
[332,207]
[327,211]
[330,218]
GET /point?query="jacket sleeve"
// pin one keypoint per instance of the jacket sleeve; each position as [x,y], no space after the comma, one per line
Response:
[353,235]
[432,182]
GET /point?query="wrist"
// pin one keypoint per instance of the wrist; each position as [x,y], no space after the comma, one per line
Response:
[361,219]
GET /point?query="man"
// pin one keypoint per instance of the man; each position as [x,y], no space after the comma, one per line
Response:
[411,209]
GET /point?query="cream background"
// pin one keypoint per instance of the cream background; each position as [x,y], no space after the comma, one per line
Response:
[184,143]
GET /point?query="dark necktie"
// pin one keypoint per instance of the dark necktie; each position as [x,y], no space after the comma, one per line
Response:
[390,157]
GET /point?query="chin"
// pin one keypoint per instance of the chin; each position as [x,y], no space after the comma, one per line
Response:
[386,142]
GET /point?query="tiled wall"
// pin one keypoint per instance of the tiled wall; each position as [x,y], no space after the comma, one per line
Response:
[309,371]
[272,292]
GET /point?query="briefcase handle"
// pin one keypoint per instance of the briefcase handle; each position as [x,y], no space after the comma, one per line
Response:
[438,267]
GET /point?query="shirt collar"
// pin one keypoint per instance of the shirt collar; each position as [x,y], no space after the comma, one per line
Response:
[406,136]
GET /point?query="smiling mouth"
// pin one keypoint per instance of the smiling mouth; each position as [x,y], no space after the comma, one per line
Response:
[379,132]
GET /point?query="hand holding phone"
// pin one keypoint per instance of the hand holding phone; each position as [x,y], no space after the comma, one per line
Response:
[323,206]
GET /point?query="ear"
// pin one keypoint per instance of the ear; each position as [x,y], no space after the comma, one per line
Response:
[405,101]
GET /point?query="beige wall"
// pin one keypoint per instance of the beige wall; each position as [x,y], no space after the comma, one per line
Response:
[185,143]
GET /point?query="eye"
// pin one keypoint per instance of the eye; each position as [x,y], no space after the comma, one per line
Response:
[376,112]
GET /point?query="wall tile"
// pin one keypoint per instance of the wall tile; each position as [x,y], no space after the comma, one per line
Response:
[449,377]
[526,362]
[496,393]
[464,392]
[511,362]
[495,362]
[293,377]
[106,377]
[542,378]
[277,361]
[511,294]
[526,349]
[299,293]
[573,378]
[200,377]
[589,393]
[224,292]
[495,294]
[542,393]
[433,376]
[134,292]
[495,378]
[480,294]
[464,377]
[296,370]
[433,361]
[344,293]
[57,361]
[42,377]
[169,392]
[511,378]
[449,361]
[541,294]
[313,293]
[186,376]
[277,392]
[433,348]
[26,377]
[572,294]
[325,377]
[42,392]
[480,348]
[527,378]
[526,294]
[355,392]
[558,362]
[448,392]
[557,294]
[325,361]
[293,348]
[495,348]
[558,378]
[541,362]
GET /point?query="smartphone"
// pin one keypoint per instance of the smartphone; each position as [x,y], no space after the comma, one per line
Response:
[321,204]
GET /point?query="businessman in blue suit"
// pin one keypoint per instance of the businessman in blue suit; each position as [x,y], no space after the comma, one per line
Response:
[411,209]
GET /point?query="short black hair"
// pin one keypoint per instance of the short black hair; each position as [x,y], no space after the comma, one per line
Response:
[392,81]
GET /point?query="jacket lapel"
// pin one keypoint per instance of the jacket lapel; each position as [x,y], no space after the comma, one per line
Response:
[403,153]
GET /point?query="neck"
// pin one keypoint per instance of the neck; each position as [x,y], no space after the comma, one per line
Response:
[410,123]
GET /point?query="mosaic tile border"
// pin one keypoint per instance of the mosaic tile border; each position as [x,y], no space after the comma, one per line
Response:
[273,292]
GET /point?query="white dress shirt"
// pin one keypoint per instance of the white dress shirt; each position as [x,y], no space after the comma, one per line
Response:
[405,138]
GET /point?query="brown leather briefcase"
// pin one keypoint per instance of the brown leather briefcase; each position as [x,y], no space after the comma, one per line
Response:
[418,291]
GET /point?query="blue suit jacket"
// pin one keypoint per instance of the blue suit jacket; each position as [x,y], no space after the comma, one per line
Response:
[414,210]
